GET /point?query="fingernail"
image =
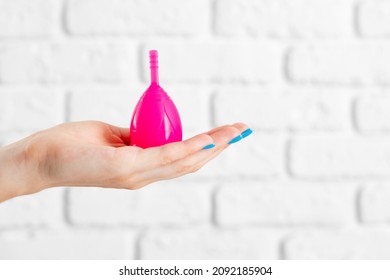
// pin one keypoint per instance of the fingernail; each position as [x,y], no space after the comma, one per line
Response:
[246,133]
[235,139]
[209,146]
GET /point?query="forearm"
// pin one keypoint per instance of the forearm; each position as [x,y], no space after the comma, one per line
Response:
[19,170]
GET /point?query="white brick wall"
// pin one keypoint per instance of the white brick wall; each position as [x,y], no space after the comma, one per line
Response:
[340,63]
[340,156]
[311,77]
[204,243]
[284,18]
[28,18]
[373,18]
[374,206]
[372,114]
[41,210]
[301,204]
[99,62]
[218,61]
[119,17]
[359,244]
[79,244]
[30,109]
[162,204]
[277,110]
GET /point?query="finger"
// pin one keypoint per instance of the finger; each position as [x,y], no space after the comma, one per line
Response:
[172,152]
[222,139]
[191,164]
[175,151]
[240,126]
[168,153]
[215,129]
[151,159]
[194,161]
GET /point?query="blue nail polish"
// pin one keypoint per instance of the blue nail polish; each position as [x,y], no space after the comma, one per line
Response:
[246,133]
[235,139]
[209,146]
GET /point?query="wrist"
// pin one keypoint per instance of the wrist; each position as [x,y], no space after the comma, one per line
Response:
[21,168]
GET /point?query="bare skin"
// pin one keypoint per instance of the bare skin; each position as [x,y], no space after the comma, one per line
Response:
[93,153]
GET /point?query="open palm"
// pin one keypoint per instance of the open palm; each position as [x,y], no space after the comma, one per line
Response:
[93,153]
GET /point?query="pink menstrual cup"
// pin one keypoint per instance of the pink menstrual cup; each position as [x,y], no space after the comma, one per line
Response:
[155,120]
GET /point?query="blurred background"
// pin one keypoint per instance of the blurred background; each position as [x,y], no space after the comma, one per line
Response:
[310,77]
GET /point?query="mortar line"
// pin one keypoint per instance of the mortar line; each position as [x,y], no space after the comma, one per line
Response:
[137,248]
[358,210]
[213,221]
[67,110]
[63,23]
[356,32]
[212,111]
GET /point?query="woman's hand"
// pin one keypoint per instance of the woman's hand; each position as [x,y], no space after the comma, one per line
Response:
[93,153]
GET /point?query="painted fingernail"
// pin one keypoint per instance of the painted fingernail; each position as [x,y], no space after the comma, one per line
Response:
[209,146]
[246,133]
[235,139]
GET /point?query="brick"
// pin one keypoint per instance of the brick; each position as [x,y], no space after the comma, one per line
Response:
[71,62]
[367,244]
[111,105]
[289,204]
[374,204]
[374,18]
[372,114]
[30,109]
[88,245]
[340,157]
[118,17]
[27,18]
[40,210]
[116,105]
[340,64]
[210,244]
[284,109]
[259,155]
[219,61]
[284,18]
[168,204]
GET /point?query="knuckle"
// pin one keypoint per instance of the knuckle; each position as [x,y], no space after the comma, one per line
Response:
[233,130]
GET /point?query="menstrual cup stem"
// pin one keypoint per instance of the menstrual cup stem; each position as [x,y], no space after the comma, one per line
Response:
[153,55]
